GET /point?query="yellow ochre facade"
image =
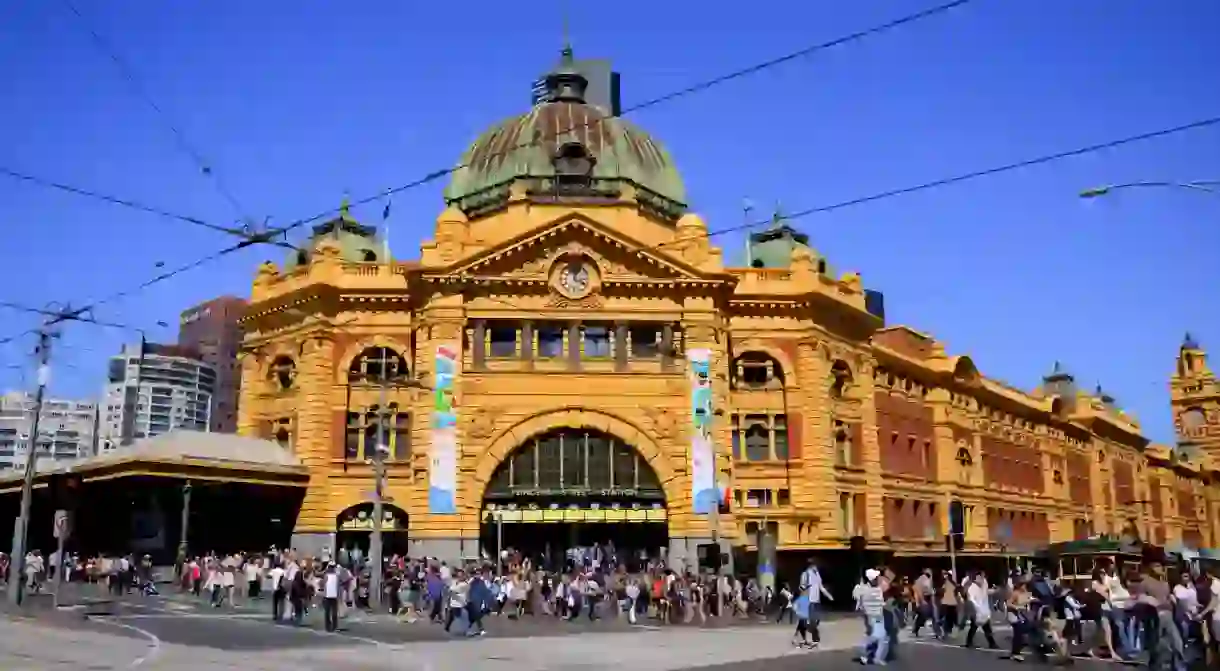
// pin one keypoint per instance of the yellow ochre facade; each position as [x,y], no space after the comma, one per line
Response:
[568,288]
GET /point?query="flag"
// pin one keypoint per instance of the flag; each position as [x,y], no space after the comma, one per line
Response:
[385,213]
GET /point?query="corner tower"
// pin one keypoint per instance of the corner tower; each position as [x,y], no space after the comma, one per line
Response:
[1195,399]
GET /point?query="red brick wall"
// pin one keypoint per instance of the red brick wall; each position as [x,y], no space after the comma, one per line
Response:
[909,451]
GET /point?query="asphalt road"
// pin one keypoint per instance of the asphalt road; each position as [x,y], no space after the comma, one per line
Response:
[922,656]
[177,619]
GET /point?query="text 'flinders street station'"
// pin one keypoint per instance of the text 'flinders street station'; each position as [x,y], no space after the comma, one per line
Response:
[569,362]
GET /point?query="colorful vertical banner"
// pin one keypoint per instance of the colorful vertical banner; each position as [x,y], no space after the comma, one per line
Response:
[704,493]
[442,456]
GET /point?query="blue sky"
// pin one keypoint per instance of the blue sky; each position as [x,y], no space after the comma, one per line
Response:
[296,103]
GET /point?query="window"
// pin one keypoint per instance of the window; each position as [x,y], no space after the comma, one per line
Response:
[783,498]
[502,341]
[758,498]
[283,372]
[378,364]
[847,514]
[843,446]
[596,341]
[550,341]
[963,456]
[368,256]
[645,341]
[736,437]
[351,444]
[781,436]
[841,377]
[757,370]
[402,436]
[757,438]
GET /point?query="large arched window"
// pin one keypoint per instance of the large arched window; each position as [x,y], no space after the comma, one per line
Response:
[378,364]
[569,462]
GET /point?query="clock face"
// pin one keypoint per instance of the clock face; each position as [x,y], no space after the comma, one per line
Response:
[575,278]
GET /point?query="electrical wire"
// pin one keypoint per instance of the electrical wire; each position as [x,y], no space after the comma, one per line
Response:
[652,102]
[139,90]
[272,236]
[986,172]
[114,200]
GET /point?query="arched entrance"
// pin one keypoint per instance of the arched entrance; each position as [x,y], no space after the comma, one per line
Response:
[354,530]
[569,493]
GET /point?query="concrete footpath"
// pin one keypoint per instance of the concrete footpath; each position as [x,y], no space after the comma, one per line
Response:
[118,644]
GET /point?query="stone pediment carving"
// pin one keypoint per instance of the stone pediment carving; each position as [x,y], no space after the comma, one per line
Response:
[537,255]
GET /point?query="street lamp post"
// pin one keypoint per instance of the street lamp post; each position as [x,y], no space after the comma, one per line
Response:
[1206,186]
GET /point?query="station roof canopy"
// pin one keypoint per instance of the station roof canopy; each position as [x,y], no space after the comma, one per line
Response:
[183,454]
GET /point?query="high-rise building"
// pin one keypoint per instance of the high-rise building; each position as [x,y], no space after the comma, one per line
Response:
[212,328]
[66,430]
[155,391]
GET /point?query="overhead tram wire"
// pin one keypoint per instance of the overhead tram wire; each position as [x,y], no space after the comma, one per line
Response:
[651,102]
[799,214]
[278,235]
[139,90]
[977,174]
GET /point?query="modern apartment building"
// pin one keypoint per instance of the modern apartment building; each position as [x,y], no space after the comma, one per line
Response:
[158,390]
[66,430]
[212,329]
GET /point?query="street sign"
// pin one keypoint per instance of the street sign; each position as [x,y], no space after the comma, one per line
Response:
[63,529]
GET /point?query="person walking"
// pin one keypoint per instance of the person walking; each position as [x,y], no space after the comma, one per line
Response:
[815,591]
[331,588]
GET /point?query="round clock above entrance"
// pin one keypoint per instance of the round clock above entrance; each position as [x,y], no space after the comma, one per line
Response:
[575,276]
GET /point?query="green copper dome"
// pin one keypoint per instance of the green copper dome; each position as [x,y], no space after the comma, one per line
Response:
[561,138]
[357,243]
[773,246]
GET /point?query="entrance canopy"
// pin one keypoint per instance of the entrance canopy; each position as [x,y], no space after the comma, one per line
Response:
[180,454]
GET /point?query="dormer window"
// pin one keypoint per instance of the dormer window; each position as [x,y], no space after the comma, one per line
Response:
[573,167]
[302,257]
[368,256]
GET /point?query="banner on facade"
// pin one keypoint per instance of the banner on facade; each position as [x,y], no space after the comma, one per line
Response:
[702,452]
[442,471]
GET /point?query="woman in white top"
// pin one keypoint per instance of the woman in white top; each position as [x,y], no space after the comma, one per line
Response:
[978,609]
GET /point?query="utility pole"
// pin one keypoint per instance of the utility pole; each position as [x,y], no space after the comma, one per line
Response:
[21,530]
[183,539]
[375,550]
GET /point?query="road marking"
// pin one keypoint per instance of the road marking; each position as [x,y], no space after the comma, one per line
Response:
[154,642]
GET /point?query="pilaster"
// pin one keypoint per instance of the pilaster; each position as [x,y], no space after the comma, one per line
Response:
[871,454]
[701,330]
[816,491]
[443,323]
[315,422]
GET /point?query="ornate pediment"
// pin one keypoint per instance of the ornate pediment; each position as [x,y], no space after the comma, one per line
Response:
[588,252]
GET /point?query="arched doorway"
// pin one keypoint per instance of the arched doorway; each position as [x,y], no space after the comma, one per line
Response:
[354,531]
[572,493]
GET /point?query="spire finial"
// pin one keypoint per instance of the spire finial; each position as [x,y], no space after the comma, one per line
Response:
[567,32]
[777,216]
[345,205]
